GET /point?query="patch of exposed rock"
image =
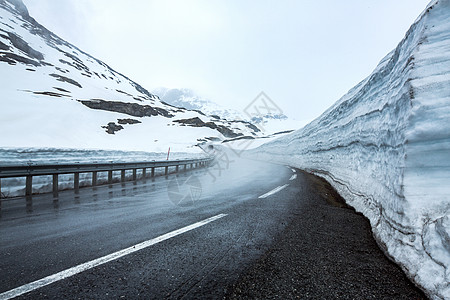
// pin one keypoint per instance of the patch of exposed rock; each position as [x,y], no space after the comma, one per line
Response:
[128,121]
[65,79]
[132,109]
[112,128]
[197,122]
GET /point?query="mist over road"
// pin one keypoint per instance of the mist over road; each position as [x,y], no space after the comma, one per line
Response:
[190,235]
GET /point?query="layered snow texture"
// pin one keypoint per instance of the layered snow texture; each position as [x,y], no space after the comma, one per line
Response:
[385,146]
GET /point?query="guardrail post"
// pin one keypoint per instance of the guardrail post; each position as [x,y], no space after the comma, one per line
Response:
[29,186]
[76,182]
[94,178]
[55,185]
[30,172]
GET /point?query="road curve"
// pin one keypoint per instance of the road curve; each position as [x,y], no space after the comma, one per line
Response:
[188,236]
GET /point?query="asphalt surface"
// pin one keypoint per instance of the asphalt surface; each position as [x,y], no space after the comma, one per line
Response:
[287,244]
[326,252]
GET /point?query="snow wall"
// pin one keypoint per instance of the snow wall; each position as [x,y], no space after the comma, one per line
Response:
[385,147]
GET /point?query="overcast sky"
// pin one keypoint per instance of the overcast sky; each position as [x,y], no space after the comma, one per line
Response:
[304,54]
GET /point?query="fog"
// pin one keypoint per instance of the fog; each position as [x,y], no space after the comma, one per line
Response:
[304,54]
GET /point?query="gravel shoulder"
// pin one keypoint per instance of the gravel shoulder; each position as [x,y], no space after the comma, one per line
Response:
[327,251]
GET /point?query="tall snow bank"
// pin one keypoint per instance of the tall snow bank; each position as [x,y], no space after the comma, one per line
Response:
[385,146]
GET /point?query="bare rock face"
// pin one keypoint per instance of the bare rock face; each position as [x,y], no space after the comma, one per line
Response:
[112,128]
[20,7]
[197,122]
[54,68]
[66,79]
[132,109]
[128,121]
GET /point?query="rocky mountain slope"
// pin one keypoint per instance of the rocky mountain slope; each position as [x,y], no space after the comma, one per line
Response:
[268,122]
[385,146]
[55,95]
[188,99]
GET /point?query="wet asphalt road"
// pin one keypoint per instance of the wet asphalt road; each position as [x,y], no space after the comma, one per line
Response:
[56,235]
[52,235]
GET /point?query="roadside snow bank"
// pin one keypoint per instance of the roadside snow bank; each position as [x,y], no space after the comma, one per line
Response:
[385,146]
[13,187]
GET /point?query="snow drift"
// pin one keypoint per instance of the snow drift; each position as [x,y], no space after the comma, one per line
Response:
[385,146]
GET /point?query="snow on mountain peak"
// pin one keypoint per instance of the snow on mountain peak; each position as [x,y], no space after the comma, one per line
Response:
[188,99]
[268,123]
[74,100]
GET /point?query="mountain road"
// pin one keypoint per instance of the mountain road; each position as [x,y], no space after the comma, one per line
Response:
[250,230]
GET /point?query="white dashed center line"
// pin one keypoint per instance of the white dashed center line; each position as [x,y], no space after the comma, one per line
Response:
[293,177]
[275,190]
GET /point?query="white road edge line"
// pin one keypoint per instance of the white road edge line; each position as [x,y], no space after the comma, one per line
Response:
[102,260]
[275,190]
[293,177]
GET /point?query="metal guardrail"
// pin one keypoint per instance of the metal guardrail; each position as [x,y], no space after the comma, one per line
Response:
[94,168]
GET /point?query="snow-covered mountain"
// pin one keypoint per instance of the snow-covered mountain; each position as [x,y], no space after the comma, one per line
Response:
[268,123]
[55,95]
[188,99]
[385,146]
